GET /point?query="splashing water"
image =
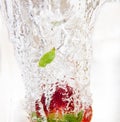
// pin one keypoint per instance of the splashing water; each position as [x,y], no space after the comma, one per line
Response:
[35,27]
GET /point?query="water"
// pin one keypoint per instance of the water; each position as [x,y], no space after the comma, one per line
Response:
[35,27]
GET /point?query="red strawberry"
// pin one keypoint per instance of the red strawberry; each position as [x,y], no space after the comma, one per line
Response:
[60,99]
[87,114]
[60,107]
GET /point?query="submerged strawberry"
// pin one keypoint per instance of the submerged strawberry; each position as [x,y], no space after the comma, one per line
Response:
[61,107]
[87,114]
[60,99]
[60,102]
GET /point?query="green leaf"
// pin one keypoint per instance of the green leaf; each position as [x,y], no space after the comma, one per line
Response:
[34,114]
[47,58]
[80,116]
[39,120]
[34,117]
[70,118]
[51,120]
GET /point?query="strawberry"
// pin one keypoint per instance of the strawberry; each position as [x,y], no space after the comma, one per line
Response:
[87,114]
[61,107]
[60,99]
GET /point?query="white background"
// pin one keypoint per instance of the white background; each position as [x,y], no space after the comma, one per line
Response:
[105,72]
